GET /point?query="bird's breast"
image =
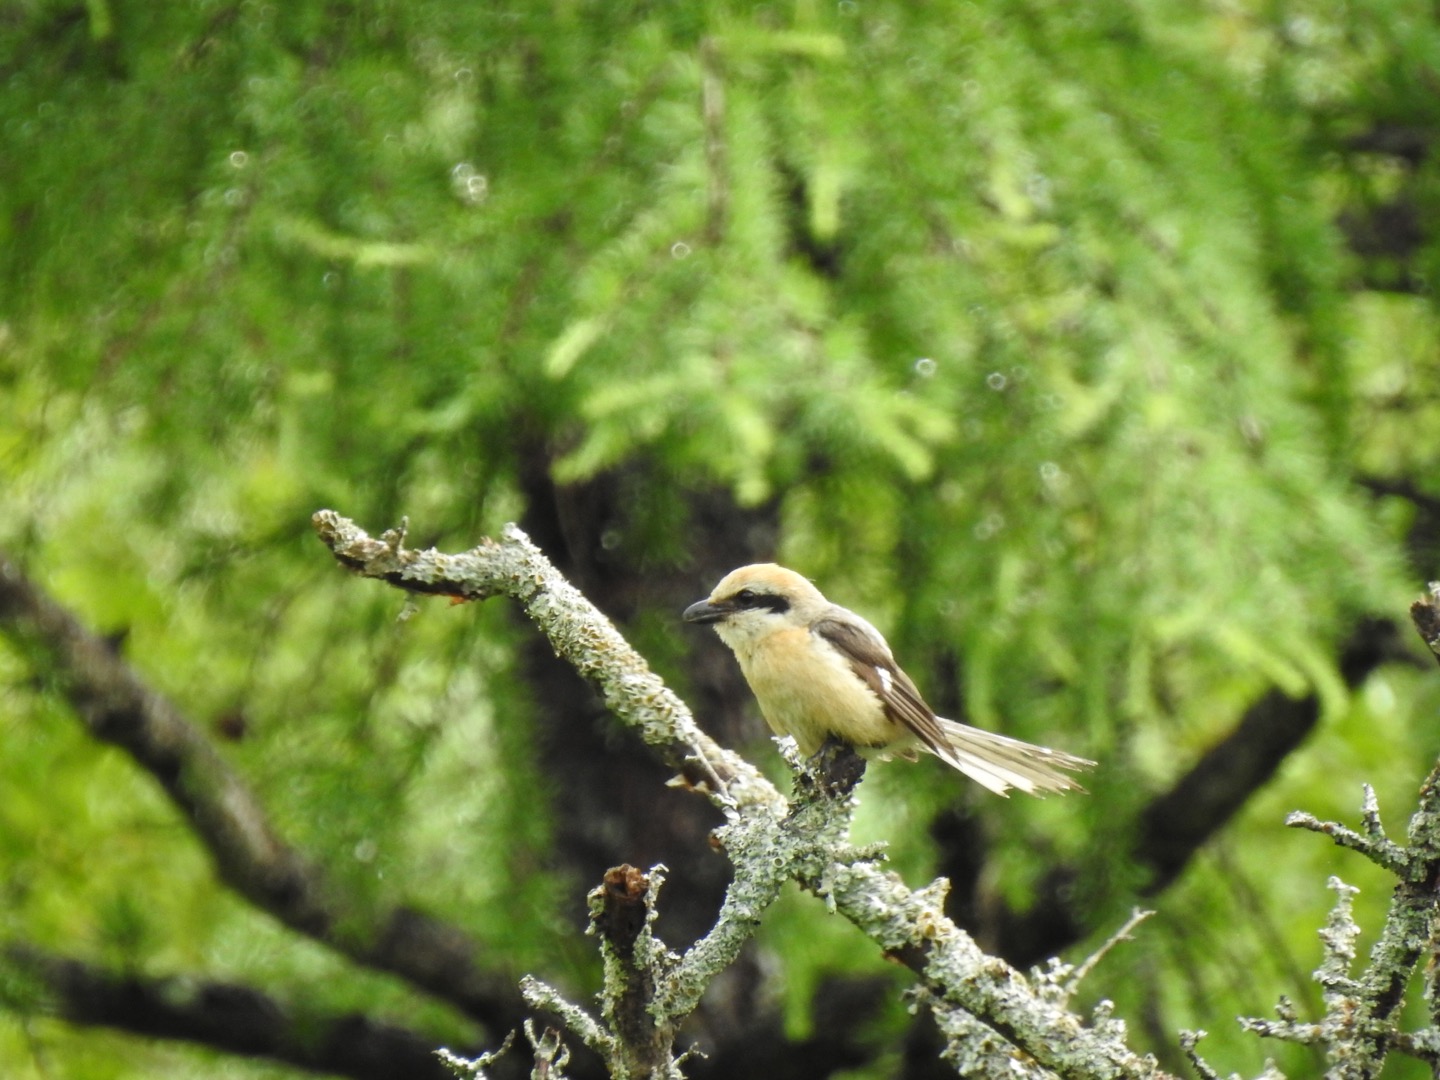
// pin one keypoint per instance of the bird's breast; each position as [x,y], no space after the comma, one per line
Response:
[809,691]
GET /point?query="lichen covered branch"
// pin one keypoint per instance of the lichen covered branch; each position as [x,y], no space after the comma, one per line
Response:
[1360,1024]
[769,841]
[622,910]
[1359,1027]
[579,632]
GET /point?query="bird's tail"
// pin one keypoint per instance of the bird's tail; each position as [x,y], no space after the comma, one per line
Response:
[1000,763]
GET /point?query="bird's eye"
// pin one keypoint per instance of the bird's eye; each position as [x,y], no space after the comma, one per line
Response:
[746,597]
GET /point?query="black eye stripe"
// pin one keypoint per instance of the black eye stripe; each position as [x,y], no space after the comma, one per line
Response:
[750,600]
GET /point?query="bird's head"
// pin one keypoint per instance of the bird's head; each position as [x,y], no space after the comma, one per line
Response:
[754,601]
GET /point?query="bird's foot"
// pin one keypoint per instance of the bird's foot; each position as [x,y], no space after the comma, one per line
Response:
[837,768]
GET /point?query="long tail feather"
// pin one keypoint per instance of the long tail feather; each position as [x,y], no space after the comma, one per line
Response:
[1000,763]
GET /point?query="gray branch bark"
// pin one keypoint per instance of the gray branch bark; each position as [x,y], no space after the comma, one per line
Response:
[768,840]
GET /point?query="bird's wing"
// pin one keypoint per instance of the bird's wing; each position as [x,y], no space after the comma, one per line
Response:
[868,655]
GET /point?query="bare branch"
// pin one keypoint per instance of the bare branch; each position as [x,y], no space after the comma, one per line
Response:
[118,707]
[1176,824]
[551,1054]
[579,632]
[1339,936]
[541,995]
[767,845]
[1373,843]
[1190,1043]
[622,910]
[1074,977]
[1422,1045]
[474,1067]
[1358,1029]
[225,1016]
[911,927]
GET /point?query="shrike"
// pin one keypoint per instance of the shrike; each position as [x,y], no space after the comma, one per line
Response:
[820,671]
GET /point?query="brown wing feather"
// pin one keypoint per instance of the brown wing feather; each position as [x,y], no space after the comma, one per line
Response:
[868,656]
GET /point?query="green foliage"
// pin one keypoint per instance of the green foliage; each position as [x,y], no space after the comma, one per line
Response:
[1032,322]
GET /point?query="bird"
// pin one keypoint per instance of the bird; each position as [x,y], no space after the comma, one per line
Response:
[819,672]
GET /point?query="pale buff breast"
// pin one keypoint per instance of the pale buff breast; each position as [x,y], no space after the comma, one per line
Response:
[811,693]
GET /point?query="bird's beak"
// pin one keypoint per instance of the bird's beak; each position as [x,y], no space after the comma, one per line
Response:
[705,612]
